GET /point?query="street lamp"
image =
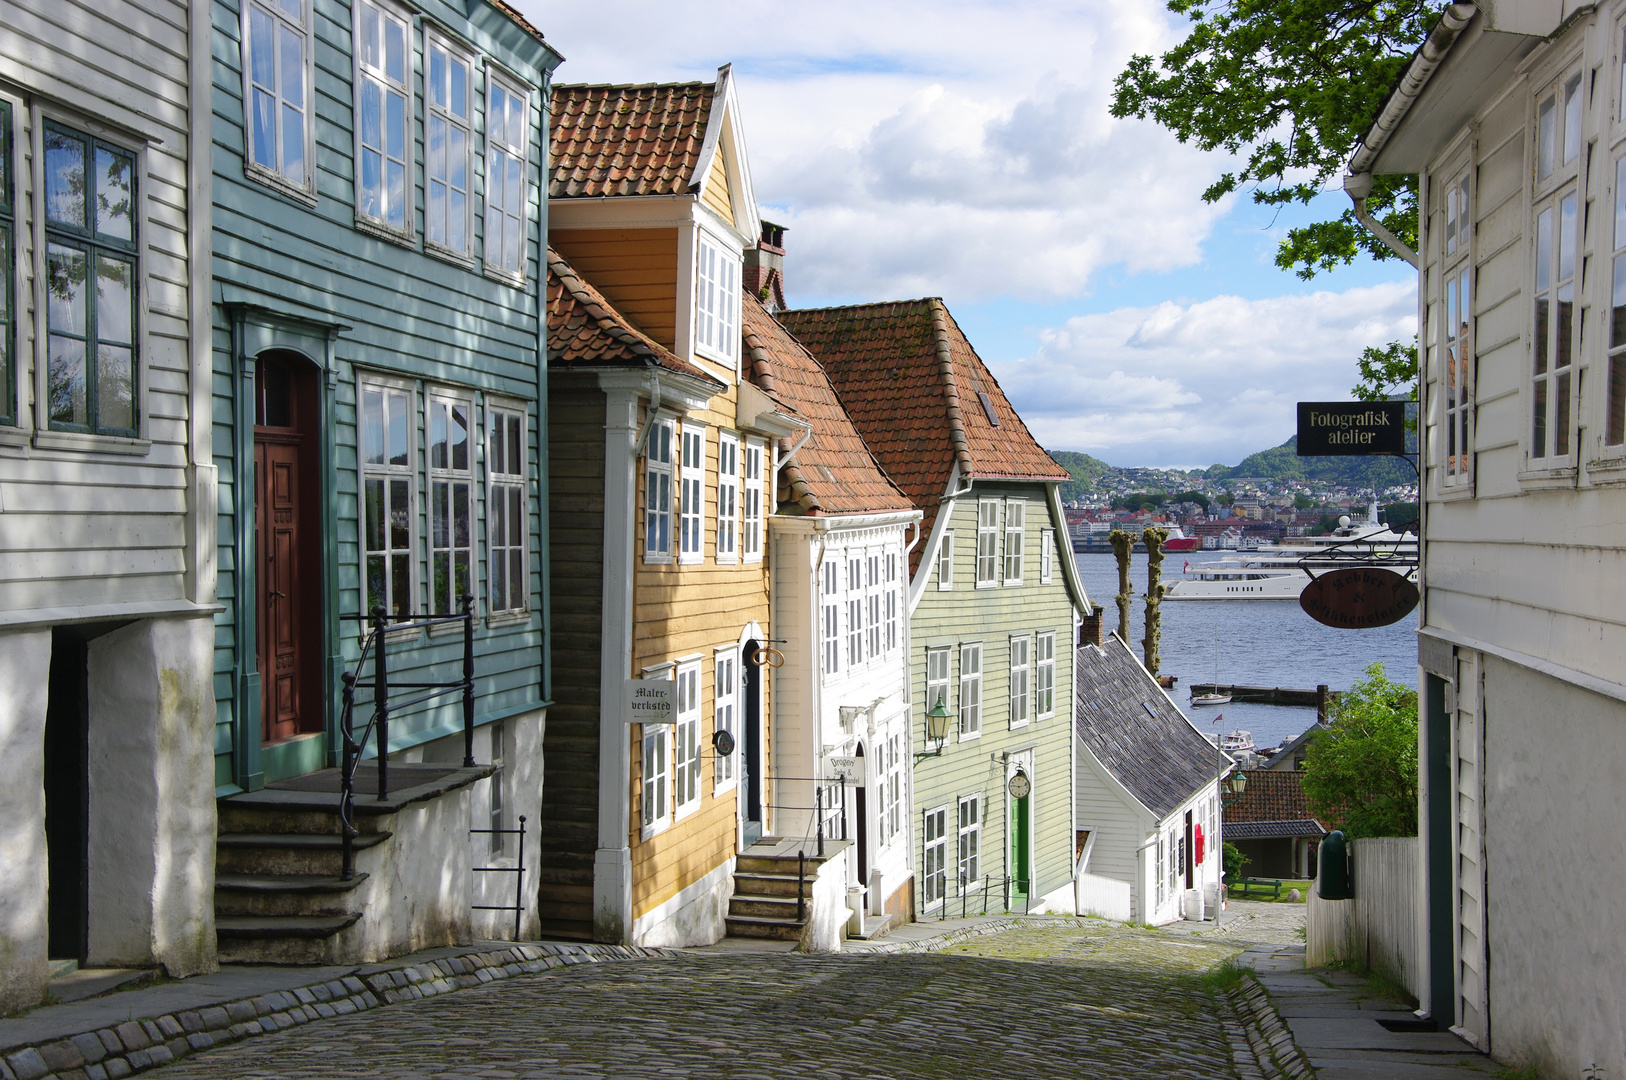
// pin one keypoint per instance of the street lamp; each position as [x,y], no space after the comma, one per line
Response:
[937,725]
[1233,786]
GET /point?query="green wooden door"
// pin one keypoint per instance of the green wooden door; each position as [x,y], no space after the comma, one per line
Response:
[1021,854]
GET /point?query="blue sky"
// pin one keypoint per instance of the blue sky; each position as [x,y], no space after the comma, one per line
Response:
[965,149]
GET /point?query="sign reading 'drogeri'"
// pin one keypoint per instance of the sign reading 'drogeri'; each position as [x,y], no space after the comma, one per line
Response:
[1350,428]
[843,768]
[651,701]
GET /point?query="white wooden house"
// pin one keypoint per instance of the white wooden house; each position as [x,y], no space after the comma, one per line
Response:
[1146,795]
[107,492]
[1513,117]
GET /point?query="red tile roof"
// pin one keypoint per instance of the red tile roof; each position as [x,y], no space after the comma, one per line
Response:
[628,140]
[921,397]
[586,331]
[1274,795]
[520,20]
[833,472]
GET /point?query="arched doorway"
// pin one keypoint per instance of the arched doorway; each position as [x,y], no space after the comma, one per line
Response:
[751,762]
[861,817]
[288,547]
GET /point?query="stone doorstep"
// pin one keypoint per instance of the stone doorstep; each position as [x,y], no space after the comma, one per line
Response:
[111,1053]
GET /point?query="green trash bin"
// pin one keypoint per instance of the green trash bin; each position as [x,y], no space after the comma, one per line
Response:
[1333,882]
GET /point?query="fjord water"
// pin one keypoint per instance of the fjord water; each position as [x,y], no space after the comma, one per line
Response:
[1257,643]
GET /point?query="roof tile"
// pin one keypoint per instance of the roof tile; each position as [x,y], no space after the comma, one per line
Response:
[1270,795]
[627,140]
[586,331]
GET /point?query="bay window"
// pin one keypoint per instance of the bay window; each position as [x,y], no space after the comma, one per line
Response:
[716,300]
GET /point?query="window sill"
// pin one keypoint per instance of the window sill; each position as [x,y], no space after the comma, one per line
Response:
[450,629]
[1017,584]
[753,558]
[1462,489]
[279,183]
[451,255]
[725,787]
[505,277]
[91,444]
[374,227]
[1018,724]
[499,619]
[659,558]
[12,436]
[972,737]
[649,832]
[684,813]
[691,560]
[727,560]
[1562,476]
[987,584]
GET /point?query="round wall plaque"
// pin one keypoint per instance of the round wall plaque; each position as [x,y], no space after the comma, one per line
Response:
[1358,598]
[723,743]
[1020,786]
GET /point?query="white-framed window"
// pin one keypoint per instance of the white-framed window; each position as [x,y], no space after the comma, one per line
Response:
[892,589]
[1176,857]
[1047,555]
[1020,673]
[451,500]
[874,587]
[658,492]
[728,497]
[1158,875]
[970,842]
[657,799]
[8,238]
[855,610]
[389,476]
[945,562]
[725,713]
[970,690]
[692,495]
[277,91]
[830,614]
[92,283]
[936,855]
[499,814]
[894,787]
[508,511]
[508,147]
[751,498]
[686,733]
[1614,427]
[937,679]
[987,543]
[716,300]
[1044,673]
[448,145]
[1016,517]
[1456,332]
[1556,329]
[383,113]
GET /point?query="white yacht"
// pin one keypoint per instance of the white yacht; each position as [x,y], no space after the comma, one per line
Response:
[1278,571]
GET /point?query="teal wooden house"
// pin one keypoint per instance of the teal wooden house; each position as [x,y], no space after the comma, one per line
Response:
[379,386]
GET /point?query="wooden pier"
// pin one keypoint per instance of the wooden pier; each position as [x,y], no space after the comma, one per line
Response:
[1320,697]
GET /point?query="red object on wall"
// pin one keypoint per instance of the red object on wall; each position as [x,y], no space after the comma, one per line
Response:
[1199,843]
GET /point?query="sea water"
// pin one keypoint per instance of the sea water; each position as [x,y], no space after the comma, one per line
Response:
[1252,643]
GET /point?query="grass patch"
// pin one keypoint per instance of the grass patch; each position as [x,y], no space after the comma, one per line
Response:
[1374,984]
[1225,976]
[1527,1073]
[1236,893]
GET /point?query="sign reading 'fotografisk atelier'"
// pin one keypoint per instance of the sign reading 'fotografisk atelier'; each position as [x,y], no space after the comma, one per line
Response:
[1341,428]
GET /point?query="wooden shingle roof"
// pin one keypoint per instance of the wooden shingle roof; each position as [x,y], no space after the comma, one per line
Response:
[586,331]
[1126,721]
[833,472]
[627,140]
[921,397]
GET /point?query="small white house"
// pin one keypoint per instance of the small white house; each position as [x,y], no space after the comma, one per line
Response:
[1146,795]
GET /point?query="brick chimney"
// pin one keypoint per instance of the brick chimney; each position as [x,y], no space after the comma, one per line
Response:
[765,267]
[1090,630]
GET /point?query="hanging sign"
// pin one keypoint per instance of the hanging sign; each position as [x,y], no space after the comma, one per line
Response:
[843,768]
[650,701]
[1358,598]
[1351,428]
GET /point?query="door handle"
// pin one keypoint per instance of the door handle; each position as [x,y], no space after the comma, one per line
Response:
[274,592]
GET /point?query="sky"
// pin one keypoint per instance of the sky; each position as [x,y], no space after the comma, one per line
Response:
[966,150]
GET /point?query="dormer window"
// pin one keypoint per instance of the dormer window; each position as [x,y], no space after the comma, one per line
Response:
[716,301]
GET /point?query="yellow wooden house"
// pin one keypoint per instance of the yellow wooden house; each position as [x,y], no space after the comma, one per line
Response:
[663,460]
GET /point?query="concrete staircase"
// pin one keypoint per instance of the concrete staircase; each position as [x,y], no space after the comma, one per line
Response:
[765,886]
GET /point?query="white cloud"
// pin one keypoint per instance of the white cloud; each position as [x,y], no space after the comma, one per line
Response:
[957,149]
[1200,383]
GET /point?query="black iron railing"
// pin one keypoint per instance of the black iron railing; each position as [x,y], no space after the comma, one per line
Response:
[829,808]
[374,644]
[518,906]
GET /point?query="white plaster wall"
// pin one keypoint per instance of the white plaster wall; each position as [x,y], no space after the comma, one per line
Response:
[695,916]
[418,890]
[521,780]
[152,826]
[25,657]
[827,910]
[1555,768]
[1103,896]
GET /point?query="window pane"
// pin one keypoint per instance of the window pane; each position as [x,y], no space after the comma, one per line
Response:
[397,195]
[1561,416]
[64,179]
[374,495]
[400,585]
[370,193]
[265,128]
[499,581]
[66,374]
[262,59]
[292,85]
[115,388]
[457,217]
[394,51]
[396,128]
[1562,333]
[115,312]
[461,581]
[114,212]
[516,517]
[1566,238]
[460,436]
[375,581]
[1572,118]
[400,515]
[293,145]
[516,579]
[437,75]
[460,90]
[65,290]
[1540,345]
[516,461]
[460,515]
[1546,137]
[441,582]
[439,517]
[437,435]
[398,429]
[372,427]
[1615,430]
[1538,421]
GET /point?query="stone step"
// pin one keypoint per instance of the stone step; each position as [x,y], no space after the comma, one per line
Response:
[771,907]
[566,929]
[284,894]
[281,939]
[286,853]
[757,884]
[748,863]
[758,927]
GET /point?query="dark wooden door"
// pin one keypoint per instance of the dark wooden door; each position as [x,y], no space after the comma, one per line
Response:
[282,660]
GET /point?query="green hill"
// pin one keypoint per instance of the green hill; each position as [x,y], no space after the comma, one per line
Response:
[1085,471]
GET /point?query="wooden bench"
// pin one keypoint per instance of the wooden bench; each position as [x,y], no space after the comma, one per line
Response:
[1270,885]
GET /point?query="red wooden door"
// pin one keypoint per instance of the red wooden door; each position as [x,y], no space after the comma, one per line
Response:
[278,546]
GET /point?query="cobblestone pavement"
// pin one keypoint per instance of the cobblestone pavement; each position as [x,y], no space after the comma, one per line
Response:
[1084,999]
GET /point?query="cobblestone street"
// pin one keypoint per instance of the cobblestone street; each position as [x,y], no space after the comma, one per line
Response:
[1083,998]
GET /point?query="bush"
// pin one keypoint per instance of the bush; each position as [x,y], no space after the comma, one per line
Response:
[1360,774]
[1234,862]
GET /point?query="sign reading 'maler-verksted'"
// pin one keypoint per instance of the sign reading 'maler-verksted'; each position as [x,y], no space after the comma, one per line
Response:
[1342,428]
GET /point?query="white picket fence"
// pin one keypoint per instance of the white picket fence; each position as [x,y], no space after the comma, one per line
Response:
[1379,927]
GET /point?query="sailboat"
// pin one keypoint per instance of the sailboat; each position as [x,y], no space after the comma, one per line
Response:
[1215,697]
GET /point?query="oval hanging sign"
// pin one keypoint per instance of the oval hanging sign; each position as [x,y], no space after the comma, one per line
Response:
[1358,598]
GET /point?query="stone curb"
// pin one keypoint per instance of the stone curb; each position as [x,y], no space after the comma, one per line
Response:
[954,937]
[137,1045]
[1268,1039]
